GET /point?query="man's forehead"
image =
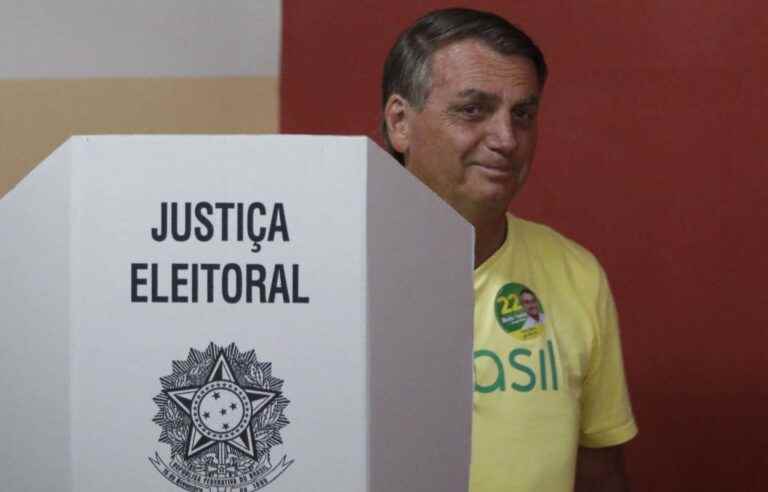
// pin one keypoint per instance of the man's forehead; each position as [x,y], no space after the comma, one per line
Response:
[479,95]
[471,65]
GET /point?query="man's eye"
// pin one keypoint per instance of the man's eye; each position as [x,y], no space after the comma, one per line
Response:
[524,115]
[471,110]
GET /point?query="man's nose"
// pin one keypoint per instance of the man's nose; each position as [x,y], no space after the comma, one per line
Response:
[501,134]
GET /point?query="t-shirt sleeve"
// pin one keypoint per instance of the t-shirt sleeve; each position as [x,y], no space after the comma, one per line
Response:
[606,412]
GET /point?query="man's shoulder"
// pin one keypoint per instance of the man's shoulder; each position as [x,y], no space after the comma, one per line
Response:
[553,247]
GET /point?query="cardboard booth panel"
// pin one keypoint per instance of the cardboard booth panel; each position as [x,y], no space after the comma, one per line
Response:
[247,311]
[34,321]
[319,344]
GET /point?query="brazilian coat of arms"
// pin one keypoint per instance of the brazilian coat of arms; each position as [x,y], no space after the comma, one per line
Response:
[221,412]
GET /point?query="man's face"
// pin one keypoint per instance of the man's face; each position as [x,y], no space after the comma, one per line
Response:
[475,137]
[530,304]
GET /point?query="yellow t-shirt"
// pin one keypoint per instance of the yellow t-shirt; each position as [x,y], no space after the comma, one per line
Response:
[549,375]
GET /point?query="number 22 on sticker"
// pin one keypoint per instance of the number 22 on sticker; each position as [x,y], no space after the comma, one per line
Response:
[509,303]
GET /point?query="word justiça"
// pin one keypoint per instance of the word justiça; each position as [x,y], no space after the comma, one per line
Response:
[233,221]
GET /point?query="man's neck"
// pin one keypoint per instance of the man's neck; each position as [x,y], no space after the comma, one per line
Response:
[489,236]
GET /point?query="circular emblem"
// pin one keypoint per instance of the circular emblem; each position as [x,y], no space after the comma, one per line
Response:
[519,311]
[221,412]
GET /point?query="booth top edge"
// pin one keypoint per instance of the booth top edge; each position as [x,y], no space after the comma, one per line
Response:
[234,136]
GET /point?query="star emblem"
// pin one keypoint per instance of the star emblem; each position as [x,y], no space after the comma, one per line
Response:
[207,406]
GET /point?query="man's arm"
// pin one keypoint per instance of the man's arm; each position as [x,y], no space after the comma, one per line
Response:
[601,470]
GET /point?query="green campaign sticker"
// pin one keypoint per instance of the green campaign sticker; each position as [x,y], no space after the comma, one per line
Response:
[519,311]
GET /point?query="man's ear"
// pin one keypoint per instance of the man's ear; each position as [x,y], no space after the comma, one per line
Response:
[396,114]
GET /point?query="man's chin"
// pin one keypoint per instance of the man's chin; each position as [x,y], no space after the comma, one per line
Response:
[496,195]
[485,205]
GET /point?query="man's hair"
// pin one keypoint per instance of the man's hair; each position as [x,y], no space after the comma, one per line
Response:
[526,290]
[408,66]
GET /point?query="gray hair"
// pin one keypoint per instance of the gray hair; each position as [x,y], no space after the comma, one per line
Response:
[408,66]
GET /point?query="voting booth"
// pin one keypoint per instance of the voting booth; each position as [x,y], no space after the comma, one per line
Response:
[233,313]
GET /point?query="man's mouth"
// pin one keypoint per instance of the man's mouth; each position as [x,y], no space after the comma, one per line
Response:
[497,170]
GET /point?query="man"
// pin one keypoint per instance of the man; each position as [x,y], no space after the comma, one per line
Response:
[461,92]
[532,308]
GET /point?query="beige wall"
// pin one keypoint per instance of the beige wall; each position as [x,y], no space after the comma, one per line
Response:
[110,66]
[36,116]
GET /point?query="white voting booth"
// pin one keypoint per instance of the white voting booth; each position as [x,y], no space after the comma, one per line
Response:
[232,313]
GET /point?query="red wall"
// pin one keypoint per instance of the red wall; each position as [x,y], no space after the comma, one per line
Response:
[650,154]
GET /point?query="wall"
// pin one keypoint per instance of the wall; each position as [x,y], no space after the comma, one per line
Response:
[650,155]
[165,66]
